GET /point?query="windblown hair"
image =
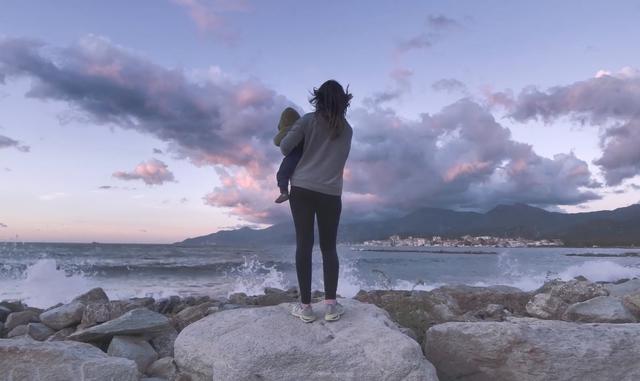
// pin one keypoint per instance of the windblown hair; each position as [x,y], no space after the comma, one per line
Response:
[331,102]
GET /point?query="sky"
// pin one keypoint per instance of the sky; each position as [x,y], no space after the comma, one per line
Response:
[152,121]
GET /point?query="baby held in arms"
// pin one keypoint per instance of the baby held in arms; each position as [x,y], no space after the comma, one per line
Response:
[288,117]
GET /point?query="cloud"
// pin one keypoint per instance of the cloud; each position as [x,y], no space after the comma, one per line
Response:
[3,225]
[608,101]
[401,84]
[7,142]
[449,85]
[184,200]
[437,26]
[208,16]
[106,187]
[634,186]
[459,157]
[152,172]
[157,151]
[441,22]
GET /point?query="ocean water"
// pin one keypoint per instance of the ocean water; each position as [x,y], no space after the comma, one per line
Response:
[43,274]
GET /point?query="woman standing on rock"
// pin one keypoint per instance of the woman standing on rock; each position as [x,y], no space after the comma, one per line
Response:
[316,189]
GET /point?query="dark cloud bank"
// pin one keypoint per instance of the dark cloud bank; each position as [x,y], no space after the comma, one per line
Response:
[610,101]
[459,157]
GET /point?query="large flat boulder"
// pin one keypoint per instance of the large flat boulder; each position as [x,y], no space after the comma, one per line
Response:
[61,360]
[269,344]
[141,321]
[526,349]
[602,309]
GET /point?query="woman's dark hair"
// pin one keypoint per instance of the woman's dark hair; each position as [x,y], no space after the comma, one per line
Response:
[331,101]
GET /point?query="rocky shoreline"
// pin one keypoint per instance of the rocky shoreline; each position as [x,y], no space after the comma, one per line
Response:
[565,330]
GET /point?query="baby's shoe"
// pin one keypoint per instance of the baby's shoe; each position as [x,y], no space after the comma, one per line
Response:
[282,198]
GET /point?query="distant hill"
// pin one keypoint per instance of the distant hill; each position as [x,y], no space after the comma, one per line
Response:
[619,227]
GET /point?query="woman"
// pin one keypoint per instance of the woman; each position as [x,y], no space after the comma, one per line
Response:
[316,189]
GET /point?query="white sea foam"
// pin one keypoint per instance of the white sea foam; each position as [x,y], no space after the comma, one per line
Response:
[43,284]
[252,277]
[600,270]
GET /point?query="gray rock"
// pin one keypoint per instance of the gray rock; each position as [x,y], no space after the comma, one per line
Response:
[133,348]
[602,309]
[4,312]
[19,318]
[575,290]
[64,316]
[140,321]
[163,368]
[629,287]
[61,334]
[269,344]
[526,349]
[163,342]
[97,313]
[191,314]
[61,360]
[546,306]
[39,331]
[12,305]
[95,295]
[153,379]
[632,303]
[18,331]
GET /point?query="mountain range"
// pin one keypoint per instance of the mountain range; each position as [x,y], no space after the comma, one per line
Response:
[619,227]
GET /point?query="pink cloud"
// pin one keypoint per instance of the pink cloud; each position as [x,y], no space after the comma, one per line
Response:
[152,172]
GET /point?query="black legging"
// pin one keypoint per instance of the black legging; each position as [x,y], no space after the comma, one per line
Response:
[305,206]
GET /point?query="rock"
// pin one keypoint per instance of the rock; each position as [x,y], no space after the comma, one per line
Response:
[18,331]
[574,291]
[61,334]
[495,312]
[1,329]
[546,306]
[133,348]
[534,350]
[470,298]
[4,312]
[39,331]
[274,296]
[19,318]
[153,379]
[629,287]
[64,316]
[61,360]
[632,303]
[602,309]
[95,295]
[238,298]
[163,343]
[166,305]
[140,321]
[417,310]
[12,305]
[163,368]
[191,314]
[97,313]
[269,344]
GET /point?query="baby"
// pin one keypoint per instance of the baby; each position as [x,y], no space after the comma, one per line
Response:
[288,117]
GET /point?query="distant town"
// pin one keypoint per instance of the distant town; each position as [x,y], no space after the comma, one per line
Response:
[464,241]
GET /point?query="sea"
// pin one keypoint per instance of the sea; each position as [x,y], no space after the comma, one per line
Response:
[43,274]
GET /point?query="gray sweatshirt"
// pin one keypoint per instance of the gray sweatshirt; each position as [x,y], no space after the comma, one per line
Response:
[322,163]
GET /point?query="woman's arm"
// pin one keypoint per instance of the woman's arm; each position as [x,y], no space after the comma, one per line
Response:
[294,136]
